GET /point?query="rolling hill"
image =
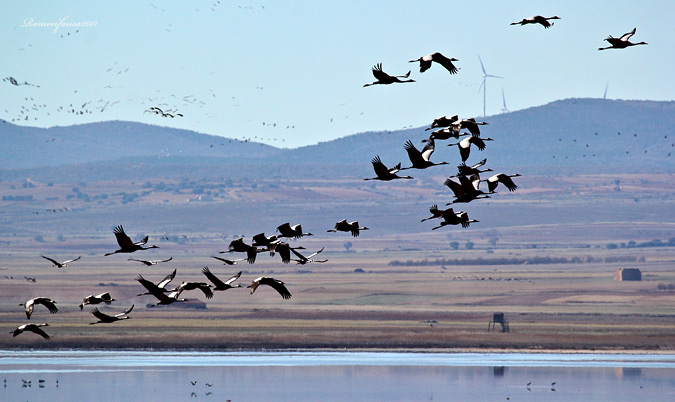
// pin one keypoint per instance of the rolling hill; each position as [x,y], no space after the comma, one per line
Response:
[566,136]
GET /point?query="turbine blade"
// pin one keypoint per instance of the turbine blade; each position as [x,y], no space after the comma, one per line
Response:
[493,76]
[481,65]
[481,85]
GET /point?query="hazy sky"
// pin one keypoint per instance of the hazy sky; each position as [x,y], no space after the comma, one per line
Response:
[292,72]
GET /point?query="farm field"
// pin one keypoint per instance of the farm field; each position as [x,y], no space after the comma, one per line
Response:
[544,258]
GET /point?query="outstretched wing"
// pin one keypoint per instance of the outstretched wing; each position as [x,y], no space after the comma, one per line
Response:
[413,153]
[126,312]
[379,74]
[278,286]
[101,316]
[39,331]
[49,303]
[214,279]
[378,166]
[627,35]
[167,279]
[445,62]
[122,239]
[69,261]
[52,260]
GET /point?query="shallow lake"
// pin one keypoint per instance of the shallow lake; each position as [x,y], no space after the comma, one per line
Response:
[333,376]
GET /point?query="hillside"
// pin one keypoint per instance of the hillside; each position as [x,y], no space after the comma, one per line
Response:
[566,136]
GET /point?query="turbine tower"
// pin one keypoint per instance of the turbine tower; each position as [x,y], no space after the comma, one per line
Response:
[485,77]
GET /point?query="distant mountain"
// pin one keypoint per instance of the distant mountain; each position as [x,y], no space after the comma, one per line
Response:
[32,147]
[571,134]
[566,136]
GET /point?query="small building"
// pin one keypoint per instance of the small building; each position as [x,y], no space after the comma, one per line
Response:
[627,274]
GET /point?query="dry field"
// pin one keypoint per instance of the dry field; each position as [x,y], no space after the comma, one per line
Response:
[357,299]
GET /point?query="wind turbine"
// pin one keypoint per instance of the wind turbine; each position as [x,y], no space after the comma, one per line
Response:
[485,77]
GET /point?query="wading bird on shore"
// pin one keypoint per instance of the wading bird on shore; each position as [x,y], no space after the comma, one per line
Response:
[125,243]
[451,217]
[295,231]
[384,78]
[151,262]
[98,299]
[35,328]
[218,284]
[160,286]
[505,179]
[105,318]
[622,42]
[352,227]
[384,173]
[420,160]
[60,264]
[465,145]
[425,62]
[537,19]
[276,284]
[45,301]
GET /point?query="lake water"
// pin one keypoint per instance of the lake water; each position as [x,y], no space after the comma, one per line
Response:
[333,376]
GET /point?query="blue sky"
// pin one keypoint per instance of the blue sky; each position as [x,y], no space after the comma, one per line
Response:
[292,73]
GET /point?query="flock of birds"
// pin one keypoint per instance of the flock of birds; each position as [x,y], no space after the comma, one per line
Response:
[166,295]
[465,189]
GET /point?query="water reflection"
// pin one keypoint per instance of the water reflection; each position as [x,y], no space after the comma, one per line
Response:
[68,380]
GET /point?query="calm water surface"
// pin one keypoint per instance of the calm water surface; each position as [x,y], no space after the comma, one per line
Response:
[333,376]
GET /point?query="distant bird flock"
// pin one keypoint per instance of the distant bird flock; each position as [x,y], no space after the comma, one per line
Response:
[464,185]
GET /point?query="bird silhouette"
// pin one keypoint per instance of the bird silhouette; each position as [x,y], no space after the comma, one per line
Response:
[505,179]
[295,231]
[465,145]
[384,173]
[125,243]
[35,328]
[442,121]
[420,160]
[228,262]
[276,284]
[60,264]
[107,319]
[306,260]
[98,299]
[425,62]
[218,284]
[352,227]
[451,217]
[537,19]
[464,170]
[150,262]
[466,190]
[239,246]
[622,42]
[160,286]
[159,293]
[45,301]
[384,78]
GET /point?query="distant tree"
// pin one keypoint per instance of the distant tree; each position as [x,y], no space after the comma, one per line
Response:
[39,239]
[347,245]
[454,245]
[469,245]
[611,246]
[60,237]
[493,241]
